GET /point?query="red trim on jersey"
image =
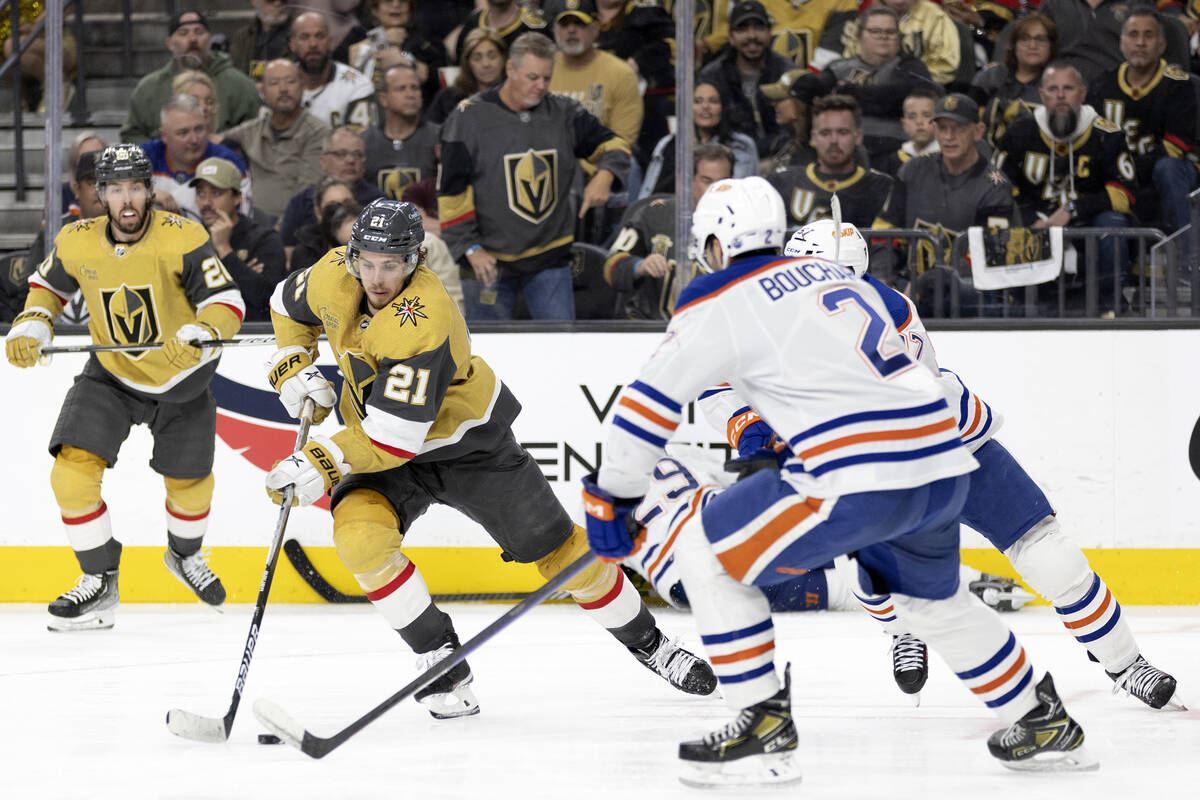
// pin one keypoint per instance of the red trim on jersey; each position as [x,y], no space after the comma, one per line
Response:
[450,223]
[1122,189]
[35,280]
[398,452]
[1180,143]
[187,517]
[99,512]
[241,314]
[394,584]
[608,598]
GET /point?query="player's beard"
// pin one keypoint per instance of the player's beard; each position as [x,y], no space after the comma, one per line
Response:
[1062,123]
[130,227]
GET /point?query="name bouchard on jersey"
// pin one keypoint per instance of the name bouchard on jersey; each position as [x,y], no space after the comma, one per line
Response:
[791,276]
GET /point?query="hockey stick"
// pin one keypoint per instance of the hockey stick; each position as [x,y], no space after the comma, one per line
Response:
[245,341]
[282,725]
[209,729]
[835,208]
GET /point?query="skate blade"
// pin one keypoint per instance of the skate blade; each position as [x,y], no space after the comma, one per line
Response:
[92,621]
[769,770]
[1077,760]
[1176,703]
[450,705]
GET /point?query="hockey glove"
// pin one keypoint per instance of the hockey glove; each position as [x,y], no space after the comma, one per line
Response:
[181,353]
[295,378]
[757,436]
[32,330]
[313,469]
[612,532]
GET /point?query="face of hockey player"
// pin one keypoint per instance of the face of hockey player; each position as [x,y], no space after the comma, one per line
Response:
[879,39]
[574,36]
[835,137]
[528,81]
[1142,43]
[185,134]
[401,93]
[213,202]
[1062,93]
[917,120]
[706,107]
[310,42]
[486,63]
[345,157]
[128,205]
[707,173]
[189,43]
[280,86]
[750,39]
[392,13]
[383,277]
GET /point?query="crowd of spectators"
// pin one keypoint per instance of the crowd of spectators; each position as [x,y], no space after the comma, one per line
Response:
[521,128]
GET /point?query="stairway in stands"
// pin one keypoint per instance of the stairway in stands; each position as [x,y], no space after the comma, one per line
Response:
[112,71]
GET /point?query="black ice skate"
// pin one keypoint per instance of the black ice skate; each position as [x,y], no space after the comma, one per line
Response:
[683,670]
[449,696]
[998,592]
[90,605]
[193,572]
[1149,684]
[910,665]
[1044,739]
[756,748]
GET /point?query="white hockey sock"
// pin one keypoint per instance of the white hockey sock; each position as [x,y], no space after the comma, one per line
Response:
[185,530]
[89,531]
[734,622]
[620,606]
[878,606]
[1057,569]
[976,643]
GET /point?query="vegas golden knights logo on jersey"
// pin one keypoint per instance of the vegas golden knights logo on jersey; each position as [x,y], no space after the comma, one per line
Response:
[393,180]
[795,46]
[532,181]
[131,316]
[360,374]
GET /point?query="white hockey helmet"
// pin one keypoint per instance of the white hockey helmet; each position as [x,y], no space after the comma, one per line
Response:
[743,214]
[820,239]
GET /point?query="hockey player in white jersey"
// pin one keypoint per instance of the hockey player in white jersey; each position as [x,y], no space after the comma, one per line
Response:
[876,469]
[1003,504]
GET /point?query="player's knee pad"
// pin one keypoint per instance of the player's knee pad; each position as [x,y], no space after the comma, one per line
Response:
[596,579]
[1051,563]
[75,480]
[366,534]
[189,494]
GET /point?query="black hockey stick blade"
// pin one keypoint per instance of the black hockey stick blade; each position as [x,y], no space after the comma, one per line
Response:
[280,723]
[315,580]
[1194,449]
[209,729]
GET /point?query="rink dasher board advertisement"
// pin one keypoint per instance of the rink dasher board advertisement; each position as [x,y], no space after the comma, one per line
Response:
[1101,419]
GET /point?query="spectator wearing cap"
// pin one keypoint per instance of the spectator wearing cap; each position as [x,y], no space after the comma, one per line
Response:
[86,141]
[283,147]
[743,68]
[190,44]
[182,145]
[953,189]
[252,253]
[264,38]
[790,147]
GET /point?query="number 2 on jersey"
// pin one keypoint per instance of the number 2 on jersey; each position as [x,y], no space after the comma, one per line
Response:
[870,338]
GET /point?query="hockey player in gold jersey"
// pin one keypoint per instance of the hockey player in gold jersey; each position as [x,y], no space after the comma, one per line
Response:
[150,278]
[427,422]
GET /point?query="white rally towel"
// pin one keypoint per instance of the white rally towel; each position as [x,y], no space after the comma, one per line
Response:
[1014,256]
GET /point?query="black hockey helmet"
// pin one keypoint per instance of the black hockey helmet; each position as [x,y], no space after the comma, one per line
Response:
[386,226]
[123,162]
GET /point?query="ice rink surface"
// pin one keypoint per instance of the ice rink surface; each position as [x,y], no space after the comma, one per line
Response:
[566,713]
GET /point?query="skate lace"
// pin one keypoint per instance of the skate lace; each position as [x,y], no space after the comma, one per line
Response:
[732,730]
[1013,736]
[86,587]
[672,661]
[908,653]
[1139,680]
[195,568]
[427,660]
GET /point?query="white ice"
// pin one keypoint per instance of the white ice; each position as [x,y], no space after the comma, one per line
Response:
[566,713]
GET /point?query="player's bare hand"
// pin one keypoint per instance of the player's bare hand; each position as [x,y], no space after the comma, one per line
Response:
[484,265]
[596,192]
[653,266]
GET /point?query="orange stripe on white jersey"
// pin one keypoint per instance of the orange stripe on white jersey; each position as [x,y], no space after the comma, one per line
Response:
[897,434]
[746,553]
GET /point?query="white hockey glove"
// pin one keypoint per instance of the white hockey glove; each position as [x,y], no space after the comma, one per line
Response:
[180,352]
[295,377]
[31,331]
[313,469]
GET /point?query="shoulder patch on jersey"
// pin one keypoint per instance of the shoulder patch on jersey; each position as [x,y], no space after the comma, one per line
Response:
[997,177]
[409,310]
[171,221]
[534,19]
[82,224]
[1103,124]
[1174,73]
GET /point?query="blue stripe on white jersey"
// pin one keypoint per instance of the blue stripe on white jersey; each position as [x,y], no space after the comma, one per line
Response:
[977,423]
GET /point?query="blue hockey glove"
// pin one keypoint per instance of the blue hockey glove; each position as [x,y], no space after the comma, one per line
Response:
[612,532]
[757,436]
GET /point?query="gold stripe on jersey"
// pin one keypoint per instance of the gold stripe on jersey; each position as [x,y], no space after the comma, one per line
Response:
[1138,92]
[830,184]
[1065,148]
[452,208]
[1119,198]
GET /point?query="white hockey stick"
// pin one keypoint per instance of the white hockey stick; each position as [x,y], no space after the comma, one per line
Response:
[835,208]
[216,729]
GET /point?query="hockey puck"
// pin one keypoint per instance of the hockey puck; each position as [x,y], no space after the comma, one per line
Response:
[269,738]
